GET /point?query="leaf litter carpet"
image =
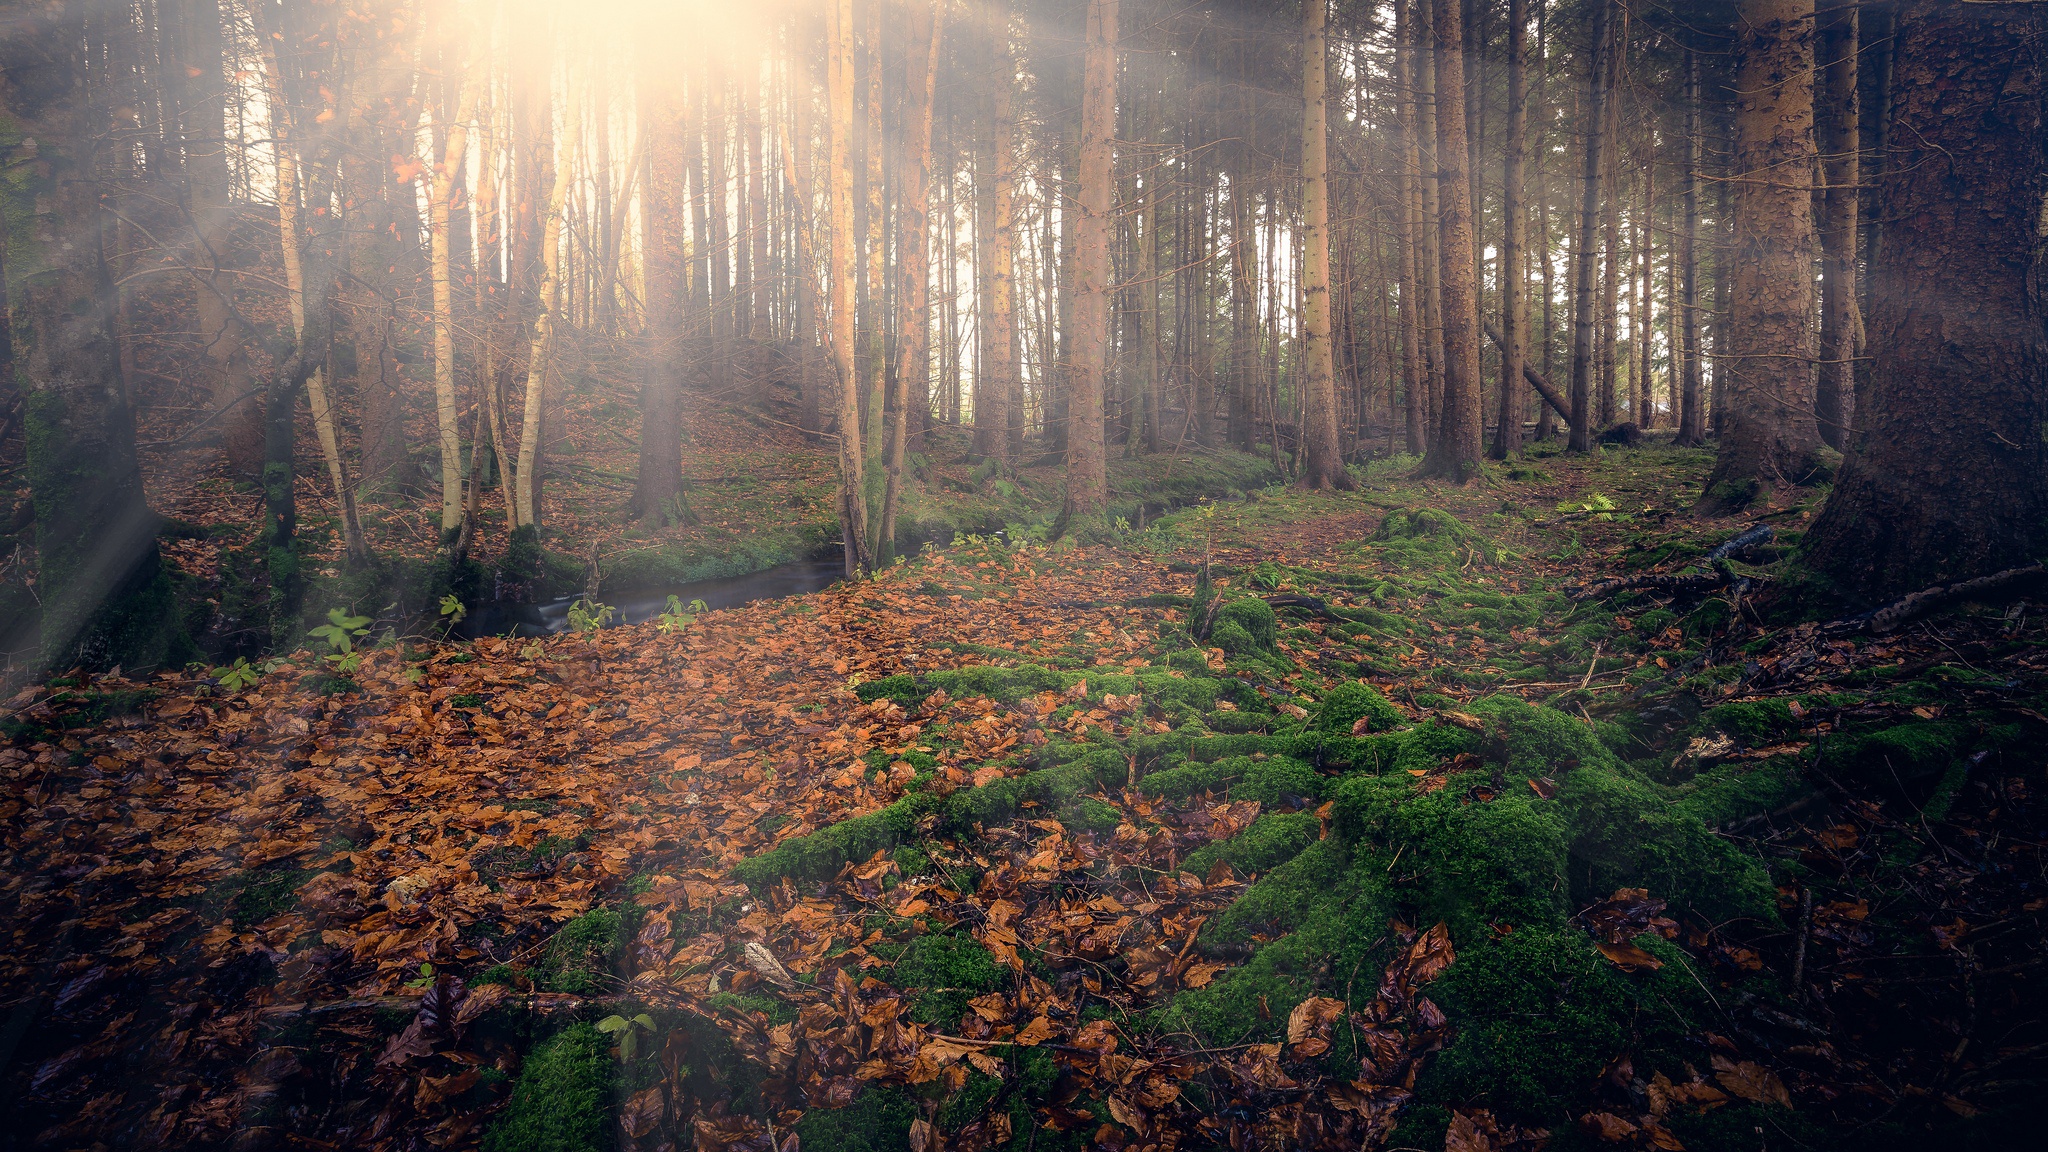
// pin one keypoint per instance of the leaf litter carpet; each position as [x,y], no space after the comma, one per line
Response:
[285,918]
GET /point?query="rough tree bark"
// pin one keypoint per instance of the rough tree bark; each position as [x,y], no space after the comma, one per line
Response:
[1087,466]
[853,512]
[1513,310]
[1325,463]
[1947,480]
[1691,412]
[1767,434]
[664,231]
[1455,453]
[1585,246]
[1836,125]
[926,28]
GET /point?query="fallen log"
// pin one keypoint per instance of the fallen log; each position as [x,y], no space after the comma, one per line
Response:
[1684,581]
[1557,403]
[1884,619]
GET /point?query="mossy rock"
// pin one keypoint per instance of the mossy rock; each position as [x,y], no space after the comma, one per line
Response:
[878,1120]
[580,956]
[1188,660]
[562,1100]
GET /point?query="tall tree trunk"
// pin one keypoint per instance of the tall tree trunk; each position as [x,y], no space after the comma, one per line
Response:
[285,145]
[548,305]
[1087,465]
[1430,213]
[1414,366]
[926,29]
[1691,409]
[1947,480]
[1325,463]
[1513,310]
[1610,229]
[1004,352]
[664,225]
[1837,129]
[853,513]
[1769,435]
[442,181]
[1455,454]
[1585,246]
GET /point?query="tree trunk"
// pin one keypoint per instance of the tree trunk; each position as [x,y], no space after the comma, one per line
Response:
[1513,312]
[1586,245]
[1691,411]
[1430,215]
[1455,454]
[926,29]
[664,224]
[441,190]
[288,219]
[1768,436]
[547,306]
[1836,116]
[1325,463]
[1947,482]
[1087,466]
[853,513]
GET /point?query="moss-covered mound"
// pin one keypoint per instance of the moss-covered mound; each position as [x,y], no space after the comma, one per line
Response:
[562,1101]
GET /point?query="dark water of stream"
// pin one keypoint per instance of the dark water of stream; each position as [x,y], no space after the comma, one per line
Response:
[633,606]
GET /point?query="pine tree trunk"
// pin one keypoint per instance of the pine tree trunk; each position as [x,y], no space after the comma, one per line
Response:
[1836,128]
[441,188]
[1087,475]
[1585,245]
[1513,310]
[926,29]
[1768,435]
[1455,453]
[1947,482]
[853,513]
[1324,462]
[1430,215]
[664,231]
[1414,367]
[1691,409]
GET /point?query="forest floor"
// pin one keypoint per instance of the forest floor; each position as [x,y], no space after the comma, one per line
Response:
[1381,837]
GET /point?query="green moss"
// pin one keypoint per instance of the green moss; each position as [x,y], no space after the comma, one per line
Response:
[1752,722]
[821,853]
[1254,617]
[1278,779]
[1232,638]
[1272,840]
[562,1100]
[1539,1013]
[1346,704]
[942,972]
[580,956]
[1282,899]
